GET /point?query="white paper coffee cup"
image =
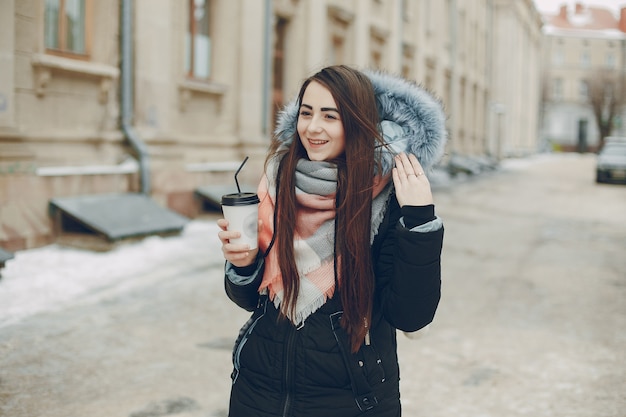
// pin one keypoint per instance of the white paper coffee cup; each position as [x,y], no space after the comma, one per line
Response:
[242,212]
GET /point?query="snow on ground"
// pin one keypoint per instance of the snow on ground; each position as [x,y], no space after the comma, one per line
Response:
[53,276]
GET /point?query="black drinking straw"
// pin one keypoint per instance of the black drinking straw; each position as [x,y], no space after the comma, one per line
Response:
[236,173]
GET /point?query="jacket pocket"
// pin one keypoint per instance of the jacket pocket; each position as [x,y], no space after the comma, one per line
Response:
[372,365]
[244,335]
[355,364]
[367,359]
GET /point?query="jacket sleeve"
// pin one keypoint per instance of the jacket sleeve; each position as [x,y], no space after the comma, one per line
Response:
[242,284]
[408,273]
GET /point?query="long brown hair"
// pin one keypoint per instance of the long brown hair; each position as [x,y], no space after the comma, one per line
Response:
[354,95]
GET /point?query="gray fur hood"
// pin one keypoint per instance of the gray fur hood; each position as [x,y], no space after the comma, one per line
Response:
[412,120]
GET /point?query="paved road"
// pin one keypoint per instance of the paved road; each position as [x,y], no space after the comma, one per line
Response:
[532,320]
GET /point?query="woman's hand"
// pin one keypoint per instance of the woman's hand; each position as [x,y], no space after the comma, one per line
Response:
[238,254]
[412,186]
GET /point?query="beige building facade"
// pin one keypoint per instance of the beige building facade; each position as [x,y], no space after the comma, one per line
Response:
[584,47]
[515,79]
[164,96]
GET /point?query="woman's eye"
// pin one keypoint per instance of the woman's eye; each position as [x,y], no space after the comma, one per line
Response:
[331,116]
[305,113]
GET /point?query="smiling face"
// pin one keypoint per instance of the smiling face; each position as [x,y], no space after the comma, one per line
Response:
[319,124]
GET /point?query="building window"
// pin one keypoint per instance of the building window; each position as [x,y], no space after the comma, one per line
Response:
[377,50]
[376,60]
[66,27]
[338,35]
[583,90]
[558,56]
[557,89]
[609,91]
[198,40]
[406,11]
[610,60]
[337,50]
[585,59]
[278,82]
[428,18]
[407,61]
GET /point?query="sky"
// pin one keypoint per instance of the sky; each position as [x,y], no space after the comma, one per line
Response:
[552,6]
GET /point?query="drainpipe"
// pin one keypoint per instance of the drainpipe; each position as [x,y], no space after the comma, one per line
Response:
[454,76]
[126,86]
[488,80]
[401,37]
[267,66]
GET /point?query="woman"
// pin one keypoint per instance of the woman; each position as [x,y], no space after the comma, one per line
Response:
[349,252]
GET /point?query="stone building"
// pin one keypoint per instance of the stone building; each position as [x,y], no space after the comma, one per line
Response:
[514,78]
[161,97]
[584,50]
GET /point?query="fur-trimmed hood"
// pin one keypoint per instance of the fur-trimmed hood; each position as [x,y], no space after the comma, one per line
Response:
[412,120]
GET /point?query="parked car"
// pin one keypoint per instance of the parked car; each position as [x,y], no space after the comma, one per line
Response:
[611,163]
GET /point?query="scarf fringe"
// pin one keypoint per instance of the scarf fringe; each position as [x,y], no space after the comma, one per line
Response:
[302,313]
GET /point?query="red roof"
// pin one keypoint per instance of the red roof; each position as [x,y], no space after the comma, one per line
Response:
[584,17]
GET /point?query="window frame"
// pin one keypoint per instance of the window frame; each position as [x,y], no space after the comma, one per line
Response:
[609,60]
[585,59]
[583,90]
[557,89]
[558,56]
[60,26]
[190,47]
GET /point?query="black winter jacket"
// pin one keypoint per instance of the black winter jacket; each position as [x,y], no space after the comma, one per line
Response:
[281,370]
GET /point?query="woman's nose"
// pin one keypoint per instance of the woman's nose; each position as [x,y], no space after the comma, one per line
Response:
[314,125]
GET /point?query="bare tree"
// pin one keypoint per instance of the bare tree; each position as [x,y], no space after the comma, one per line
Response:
[606,97]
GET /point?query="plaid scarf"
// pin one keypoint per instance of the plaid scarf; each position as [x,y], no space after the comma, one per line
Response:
[314,236]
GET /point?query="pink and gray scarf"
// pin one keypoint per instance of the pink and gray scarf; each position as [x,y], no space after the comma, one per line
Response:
[316,185]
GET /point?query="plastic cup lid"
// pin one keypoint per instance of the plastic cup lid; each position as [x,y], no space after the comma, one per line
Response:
[240,199]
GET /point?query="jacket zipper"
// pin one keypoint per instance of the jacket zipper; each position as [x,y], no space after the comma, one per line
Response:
[288,374]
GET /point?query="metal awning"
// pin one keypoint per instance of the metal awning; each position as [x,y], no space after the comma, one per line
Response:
[5,256]
[115,216]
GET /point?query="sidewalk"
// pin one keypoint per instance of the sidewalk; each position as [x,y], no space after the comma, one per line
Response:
[144,330]
[55,276]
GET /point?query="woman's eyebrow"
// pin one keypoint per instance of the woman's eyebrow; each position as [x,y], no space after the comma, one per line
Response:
[322,109]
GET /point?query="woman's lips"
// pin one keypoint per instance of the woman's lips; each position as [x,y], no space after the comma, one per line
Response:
[317,142]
